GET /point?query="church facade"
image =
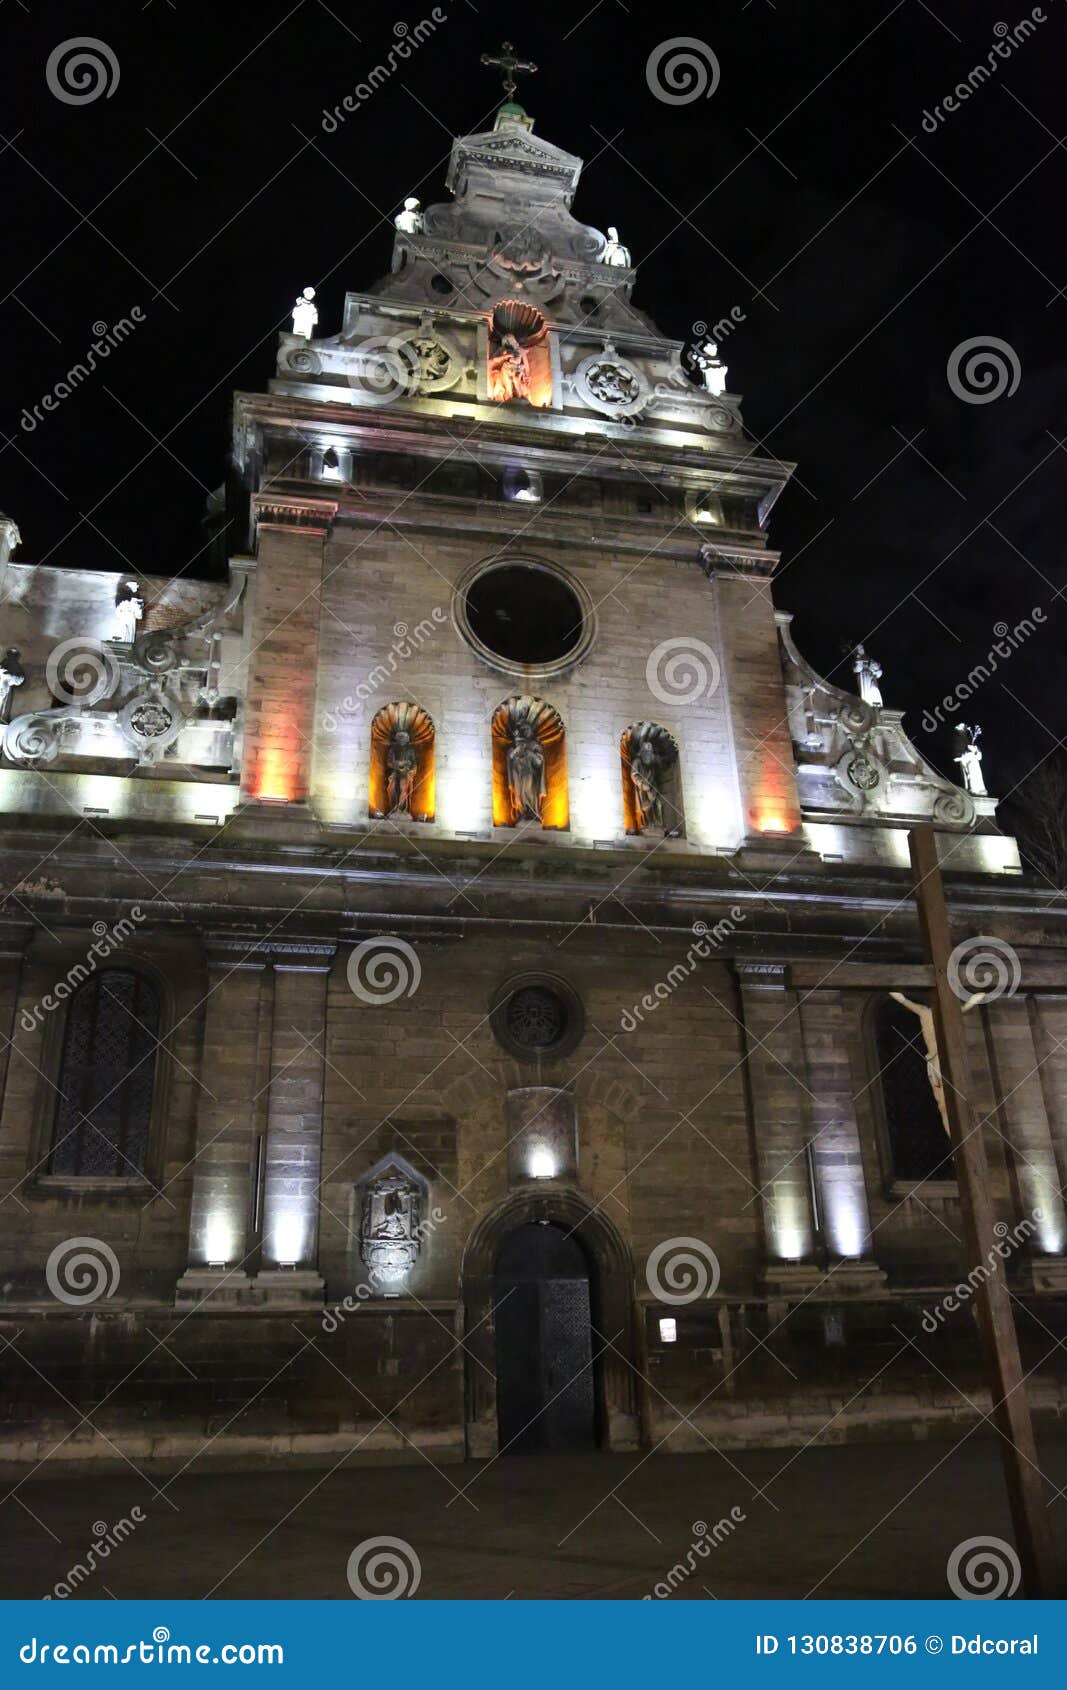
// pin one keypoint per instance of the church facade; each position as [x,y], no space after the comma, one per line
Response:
[459,973]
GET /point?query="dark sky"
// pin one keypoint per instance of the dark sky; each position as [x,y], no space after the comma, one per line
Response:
[861,248]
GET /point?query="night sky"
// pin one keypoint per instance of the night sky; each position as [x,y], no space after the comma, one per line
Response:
[861,248]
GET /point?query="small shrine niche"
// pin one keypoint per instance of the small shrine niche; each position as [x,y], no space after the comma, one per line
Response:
[402,763]
[392,1201]
[651,787]
[529,765]
[519,357]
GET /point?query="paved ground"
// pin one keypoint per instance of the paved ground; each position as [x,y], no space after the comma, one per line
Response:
[848,1522]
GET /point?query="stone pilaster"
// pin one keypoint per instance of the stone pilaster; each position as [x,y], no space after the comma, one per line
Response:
[752,671]
[841,1188]
[221,1240]
[279,712]
[293,1159]
[15,1115]
[1015,1065]
[781,1118]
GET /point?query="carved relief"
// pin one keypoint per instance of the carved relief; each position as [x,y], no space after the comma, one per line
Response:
[852,754]
[392,1197]
[166,685]
[607,383]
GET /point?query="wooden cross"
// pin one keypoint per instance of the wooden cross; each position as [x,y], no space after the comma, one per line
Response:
[506,61]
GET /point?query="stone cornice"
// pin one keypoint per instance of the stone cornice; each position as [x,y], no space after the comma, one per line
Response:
[544,445]
[245,950]
[291,510]
[762,976]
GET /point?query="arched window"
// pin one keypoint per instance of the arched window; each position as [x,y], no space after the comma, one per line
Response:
[918,1143]
[106,1077]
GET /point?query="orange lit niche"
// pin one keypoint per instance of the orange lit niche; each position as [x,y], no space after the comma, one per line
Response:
[525,720]
[402,763]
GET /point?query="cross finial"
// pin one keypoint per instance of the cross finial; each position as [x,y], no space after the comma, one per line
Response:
[507,61]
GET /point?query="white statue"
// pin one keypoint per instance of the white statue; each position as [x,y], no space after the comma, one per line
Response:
[305,314]
[970,760]
[409,221]
[12,675]
[868,673]
[712,373]
[615,253]
[128,612]
[933,1055]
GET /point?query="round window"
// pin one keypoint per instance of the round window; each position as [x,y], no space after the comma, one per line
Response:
[537,1015]
[523,617]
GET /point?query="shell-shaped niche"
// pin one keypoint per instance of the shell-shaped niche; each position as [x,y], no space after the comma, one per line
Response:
[524,717]
[402,778]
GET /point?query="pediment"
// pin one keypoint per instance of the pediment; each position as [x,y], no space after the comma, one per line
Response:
[512,150]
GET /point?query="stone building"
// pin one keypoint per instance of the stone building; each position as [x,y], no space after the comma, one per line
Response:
[446,958]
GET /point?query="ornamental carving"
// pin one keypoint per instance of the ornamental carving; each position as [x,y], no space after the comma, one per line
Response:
[437,365]
[614,384]
[609,384]
[150,720]
[863,774]
[954,808]
[392,1197]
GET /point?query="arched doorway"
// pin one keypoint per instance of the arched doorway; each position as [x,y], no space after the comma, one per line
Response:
[611,1316]
[544,1341]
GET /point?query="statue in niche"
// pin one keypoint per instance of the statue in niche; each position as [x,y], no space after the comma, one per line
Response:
[928,1026]
[650,754]
[389,1238]
[305,315]
[614,252]
[527,785]
[402,767]
[12,675]
[409,221]
[518,354]
[710,372]
[970,760]
[509,371]
[402,771]
[868,673]
[129,609]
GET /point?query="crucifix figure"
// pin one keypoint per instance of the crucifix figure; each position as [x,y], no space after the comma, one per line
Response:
[933,1056]
[506,61]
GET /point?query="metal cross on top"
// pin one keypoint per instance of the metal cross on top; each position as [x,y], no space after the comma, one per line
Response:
[506,61]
